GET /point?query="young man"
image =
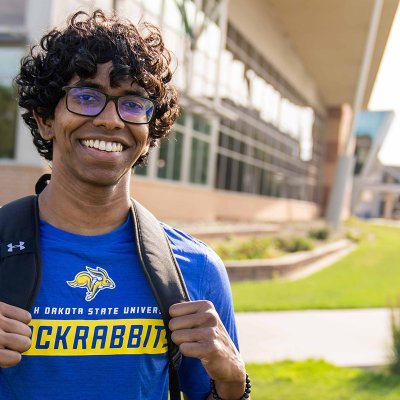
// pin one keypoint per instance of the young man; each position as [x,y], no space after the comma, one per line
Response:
[97,96]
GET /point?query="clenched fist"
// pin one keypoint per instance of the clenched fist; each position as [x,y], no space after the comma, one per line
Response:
[14,334]
[199,332]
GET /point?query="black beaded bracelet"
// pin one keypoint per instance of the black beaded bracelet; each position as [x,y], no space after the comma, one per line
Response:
[245,395]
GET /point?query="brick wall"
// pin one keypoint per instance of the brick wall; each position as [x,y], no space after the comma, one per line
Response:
[173,201]
[17,181]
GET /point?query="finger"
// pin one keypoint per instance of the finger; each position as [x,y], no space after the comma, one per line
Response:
[14,342]
[207,318]
[9,358]
[190,307]
[201,350]
[194,335]
[12,326]
[16,313]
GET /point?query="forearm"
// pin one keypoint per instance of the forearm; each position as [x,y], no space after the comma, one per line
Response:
[199,332]
[232,390]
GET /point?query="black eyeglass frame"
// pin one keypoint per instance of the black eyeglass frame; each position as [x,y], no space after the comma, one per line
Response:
[109,98]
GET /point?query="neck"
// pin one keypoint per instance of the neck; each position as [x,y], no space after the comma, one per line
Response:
[84,208]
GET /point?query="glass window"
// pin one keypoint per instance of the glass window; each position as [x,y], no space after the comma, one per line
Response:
[199,161]
[170,157]
[8,112]
[131,9]
[12,13]
[177,162]
[266,183]
[10,58]
[182,118]
[141,170]
[172,16]
[201,125]
[162,160]
[221,172]
[153,6]
[229,176]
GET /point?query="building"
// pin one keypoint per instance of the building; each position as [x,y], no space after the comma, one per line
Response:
[368,199]
[380,197]
[265,92]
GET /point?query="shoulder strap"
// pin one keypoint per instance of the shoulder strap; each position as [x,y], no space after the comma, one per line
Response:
[20,262]
[164,277]
[20,265]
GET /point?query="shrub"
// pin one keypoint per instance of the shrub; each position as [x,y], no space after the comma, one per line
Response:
[292,244]
[255,248]
[320,233]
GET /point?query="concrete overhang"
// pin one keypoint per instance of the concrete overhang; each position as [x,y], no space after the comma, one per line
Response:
[327,36]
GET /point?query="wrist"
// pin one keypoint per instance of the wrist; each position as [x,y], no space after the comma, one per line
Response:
[231,390]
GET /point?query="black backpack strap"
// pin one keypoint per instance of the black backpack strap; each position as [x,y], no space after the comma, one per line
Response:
[20,265]
[20,261]
[164,277]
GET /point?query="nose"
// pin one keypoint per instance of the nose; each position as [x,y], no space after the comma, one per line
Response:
[109,117]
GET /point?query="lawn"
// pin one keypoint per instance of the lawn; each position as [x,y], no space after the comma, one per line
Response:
[368,277]
[317,380]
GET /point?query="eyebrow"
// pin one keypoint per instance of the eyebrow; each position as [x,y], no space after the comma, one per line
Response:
[86,83]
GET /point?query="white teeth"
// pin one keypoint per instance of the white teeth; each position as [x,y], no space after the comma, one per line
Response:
[103,145]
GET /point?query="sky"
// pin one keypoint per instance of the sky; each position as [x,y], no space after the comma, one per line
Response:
[386,94]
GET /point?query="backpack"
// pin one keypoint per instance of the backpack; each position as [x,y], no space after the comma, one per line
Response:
[20,265]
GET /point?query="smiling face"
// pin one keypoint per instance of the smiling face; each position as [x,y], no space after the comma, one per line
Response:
[98,150]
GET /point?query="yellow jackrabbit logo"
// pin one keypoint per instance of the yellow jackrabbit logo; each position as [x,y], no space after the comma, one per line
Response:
[94,280]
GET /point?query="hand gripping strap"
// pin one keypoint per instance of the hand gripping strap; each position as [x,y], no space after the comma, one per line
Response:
[164,277]
[20,263]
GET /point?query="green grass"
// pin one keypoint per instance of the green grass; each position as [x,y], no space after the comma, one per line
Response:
[368,277]
[318,380]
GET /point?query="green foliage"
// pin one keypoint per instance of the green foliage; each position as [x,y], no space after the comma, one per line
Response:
[293,244]
[8,108]
[364,278]
[261,247]
[395,327]
[255,248]
[316,380]
[322,233]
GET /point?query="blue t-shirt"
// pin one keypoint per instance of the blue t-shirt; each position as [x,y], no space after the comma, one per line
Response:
[97,332]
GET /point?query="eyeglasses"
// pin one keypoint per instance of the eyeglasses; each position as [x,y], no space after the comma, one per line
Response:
[90,102]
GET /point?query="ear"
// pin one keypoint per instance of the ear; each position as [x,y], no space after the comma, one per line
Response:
[45,126]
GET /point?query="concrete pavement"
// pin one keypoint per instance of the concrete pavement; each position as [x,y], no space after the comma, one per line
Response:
[351,338]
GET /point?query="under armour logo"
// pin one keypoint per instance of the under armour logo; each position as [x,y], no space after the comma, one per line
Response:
[20,246]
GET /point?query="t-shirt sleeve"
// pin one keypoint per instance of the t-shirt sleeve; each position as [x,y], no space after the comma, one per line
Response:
[194,381]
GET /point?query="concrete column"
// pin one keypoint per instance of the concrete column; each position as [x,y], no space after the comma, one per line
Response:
[337,130]
[388,205]
[388,199]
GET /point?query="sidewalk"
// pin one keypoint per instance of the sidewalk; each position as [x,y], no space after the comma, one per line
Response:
[351,338]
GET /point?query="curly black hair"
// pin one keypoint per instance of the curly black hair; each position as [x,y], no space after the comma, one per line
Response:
[136,52]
